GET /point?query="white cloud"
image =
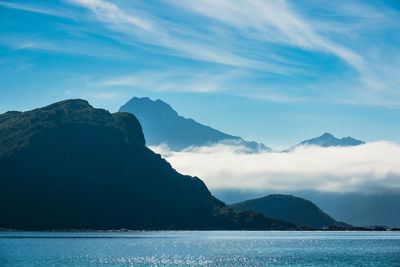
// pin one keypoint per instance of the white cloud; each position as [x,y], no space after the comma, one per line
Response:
[35,9]
[363,168]
[279,98]
[234,81]
[109,12]
[176,39]
[272,21]
[252,35]
[65,46]
[178,80]
[245,34]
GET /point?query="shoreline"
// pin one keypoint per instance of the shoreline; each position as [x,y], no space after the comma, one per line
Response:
[359,229]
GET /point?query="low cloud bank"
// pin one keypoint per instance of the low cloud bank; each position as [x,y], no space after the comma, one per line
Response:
[365,168]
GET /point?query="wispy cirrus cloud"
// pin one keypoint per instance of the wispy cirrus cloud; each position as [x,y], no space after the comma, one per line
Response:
[255,35]
[316,27]
[111,13]
[35,9]
[272,21]
[180,40]
[305,44]
[365,168]
[63,46]
[226,81]
[177,80]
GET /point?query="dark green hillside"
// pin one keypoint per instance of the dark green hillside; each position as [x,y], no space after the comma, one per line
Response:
[286,207]
[69,165]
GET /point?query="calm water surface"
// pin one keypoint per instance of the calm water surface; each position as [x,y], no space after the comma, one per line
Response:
[193,248]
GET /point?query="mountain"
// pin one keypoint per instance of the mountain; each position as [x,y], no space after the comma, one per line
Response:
[300,211]
[163,125]
[327,140]
[359,209]
[71,166]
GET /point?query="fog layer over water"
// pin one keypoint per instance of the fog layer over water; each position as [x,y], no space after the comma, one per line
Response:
[365,168]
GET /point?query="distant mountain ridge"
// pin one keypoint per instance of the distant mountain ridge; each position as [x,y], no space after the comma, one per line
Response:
[71,166]
[328,140]
[358,209]
[163,125]
[300,211]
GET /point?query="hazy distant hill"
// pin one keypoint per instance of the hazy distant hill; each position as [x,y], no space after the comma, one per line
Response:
[287,207]
[69,165]
[162,124]
[359,209]
[380,208]
[327,140]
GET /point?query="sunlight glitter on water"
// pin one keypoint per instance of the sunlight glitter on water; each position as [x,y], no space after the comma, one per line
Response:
[193,248]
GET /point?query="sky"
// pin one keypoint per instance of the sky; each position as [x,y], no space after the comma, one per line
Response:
[276,71]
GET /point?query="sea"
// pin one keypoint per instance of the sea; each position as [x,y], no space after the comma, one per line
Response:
[200,248]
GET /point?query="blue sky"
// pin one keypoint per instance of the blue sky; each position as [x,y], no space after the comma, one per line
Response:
[272,71]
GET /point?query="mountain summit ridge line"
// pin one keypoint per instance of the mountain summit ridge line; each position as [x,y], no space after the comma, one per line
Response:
[163,125]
